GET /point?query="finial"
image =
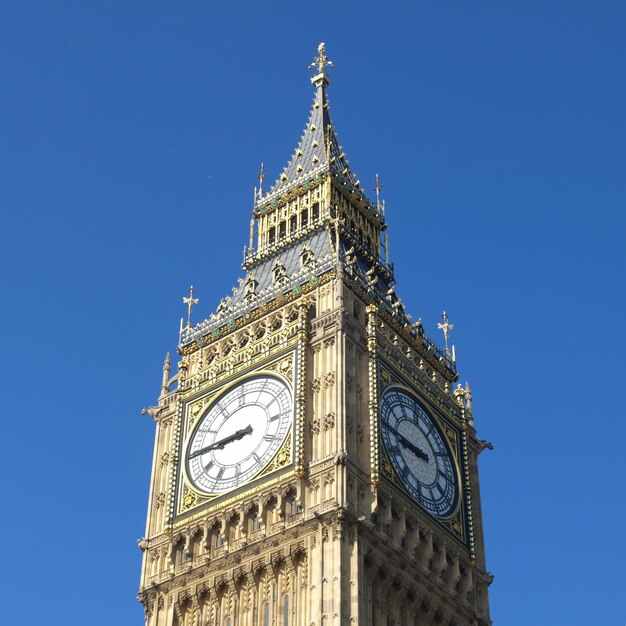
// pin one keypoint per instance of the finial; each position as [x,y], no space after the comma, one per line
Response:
[321,61]
[377,189]
[166,374]
[261,176]
[446,327]
[190,301]
[468,397]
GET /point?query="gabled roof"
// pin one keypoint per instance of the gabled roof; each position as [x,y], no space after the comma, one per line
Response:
[318,150]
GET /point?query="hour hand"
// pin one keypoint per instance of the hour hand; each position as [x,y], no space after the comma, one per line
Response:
[219,445]
[413,448]
[420,454]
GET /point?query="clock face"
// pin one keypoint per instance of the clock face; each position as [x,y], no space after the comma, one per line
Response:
[240,434]
[418,452]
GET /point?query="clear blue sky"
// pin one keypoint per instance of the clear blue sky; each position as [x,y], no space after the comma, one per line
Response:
[130,137]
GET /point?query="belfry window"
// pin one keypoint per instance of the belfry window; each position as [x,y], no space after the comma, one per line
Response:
[266,614]
[282,230]
[271,235]
[304,218]
[315,211]
[286,611]
[293,224]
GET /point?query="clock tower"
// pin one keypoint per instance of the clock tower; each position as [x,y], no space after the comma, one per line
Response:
[315,461]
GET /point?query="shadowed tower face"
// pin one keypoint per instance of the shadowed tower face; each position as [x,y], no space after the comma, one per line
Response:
[314,463]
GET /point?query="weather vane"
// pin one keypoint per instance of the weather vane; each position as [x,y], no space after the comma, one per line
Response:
[446,327]
[321,61]
[190,301]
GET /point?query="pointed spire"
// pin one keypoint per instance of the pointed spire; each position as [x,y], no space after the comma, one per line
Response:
[261,176]
[166,373]
[318,150]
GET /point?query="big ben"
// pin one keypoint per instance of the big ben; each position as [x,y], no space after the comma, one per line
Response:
[315,459]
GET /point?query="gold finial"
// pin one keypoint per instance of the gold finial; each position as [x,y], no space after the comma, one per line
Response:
[190,301]
[321,60]
[261,176]
[446,327]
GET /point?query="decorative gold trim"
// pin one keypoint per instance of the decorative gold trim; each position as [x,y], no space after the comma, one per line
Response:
[263,309]
[467,488]
[443,428]
[301,389]
[188,496]
[242,495]
[373,393]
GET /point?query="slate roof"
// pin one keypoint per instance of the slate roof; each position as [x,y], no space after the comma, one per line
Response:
[318,149]
[318,243]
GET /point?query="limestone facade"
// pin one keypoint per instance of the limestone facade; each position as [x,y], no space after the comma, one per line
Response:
[325,535]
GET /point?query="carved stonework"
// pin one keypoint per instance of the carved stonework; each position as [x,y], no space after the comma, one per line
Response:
[324,528]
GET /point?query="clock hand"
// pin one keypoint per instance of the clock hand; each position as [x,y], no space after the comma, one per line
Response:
[219,445]
[408,445]
[413,448]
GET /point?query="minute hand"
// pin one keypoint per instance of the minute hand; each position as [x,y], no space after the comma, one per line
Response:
[218,445]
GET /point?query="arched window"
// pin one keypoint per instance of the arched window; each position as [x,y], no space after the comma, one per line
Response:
[266,614]
[255,523]
[293,506]
[229,622]
[286,611]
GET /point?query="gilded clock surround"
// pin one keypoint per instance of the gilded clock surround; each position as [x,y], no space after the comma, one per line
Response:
[189,496]
[325,534]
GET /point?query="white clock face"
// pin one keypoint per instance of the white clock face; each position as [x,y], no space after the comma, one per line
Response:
[418,452]
[239,434]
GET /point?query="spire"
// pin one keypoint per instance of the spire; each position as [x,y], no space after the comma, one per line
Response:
[318,150]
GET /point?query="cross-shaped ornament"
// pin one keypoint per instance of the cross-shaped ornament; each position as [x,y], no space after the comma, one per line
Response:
[446,327]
